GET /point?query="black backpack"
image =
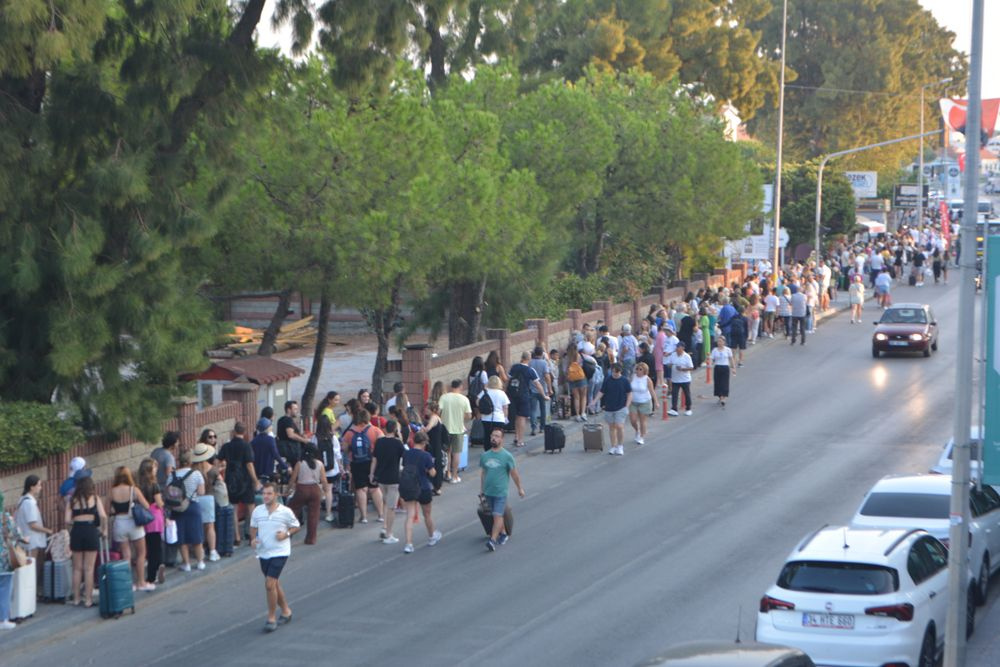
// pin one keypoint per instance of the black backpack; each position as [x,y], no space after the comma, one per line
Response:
[485,404]
[475,387]
[517,386]
[409,482]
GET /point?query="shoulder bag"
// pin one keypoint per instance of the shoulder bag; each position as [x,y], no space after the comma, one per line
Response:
[140,515]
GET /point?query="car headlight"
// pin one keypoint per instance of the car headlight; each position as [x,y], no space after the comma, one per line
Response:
[881,336]
[916,336]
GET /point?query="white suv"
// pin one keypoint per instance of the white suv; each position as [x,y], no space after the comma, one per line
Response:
[860,598]
[923,501]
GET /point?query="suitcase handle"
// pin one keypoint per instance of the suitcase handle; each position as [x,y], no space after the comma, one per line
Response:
[104,549]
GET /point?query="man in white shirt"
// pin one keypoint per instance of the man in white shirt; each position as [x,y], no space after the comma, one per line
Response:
[770,312]
[669,347]
[825,274]
[680,378]
[271,528]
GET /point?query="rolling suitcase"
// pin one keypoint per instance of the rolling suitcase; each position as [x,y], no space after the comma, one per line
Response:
[555,438]
[486,518]
[345,503]
[22,597]
[56,578]
[225,531]
[593,438]
[114,582]
[463,459]
[912,280]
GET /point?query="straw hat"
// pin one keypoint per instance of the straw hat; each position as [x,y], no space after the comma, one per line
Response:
[202,452]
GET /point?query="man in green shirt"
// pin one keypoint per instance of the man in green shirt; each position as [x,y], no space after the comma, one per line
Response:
[455,412]
[498,468]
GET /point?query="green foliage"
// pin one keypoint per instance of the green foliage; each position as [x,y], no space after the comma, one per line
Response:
[798,203]
[33,431]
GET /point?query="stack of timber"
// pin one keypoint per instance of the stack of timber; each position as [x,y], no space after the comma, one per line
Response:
[246,340]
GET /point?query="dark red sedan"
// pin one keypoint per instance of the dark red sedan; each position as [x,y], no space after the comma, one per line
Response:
[906,327]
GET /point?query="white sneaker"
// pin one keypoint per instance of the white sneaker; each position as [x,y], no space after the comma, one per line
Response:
[201,565]
[185,568]
[672,413]
[640,441]
[7,625]
[408,549]
[621,450]
[636,439]
[688,413]
[435,538]
[389,539]
[214,556]
[329,517]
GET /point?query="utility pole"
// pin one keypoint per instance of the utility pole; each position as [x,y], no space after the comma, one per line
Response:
[958,575]
[781,132]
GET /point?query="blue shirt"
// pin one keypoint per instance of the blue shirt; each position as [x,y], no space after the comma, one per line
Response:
[424,462]
[265,454]
[615,393]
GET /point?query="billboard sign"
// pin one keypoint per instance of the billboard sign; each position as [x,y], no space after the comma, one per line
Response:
[991,431]
[864,183]
[906,196]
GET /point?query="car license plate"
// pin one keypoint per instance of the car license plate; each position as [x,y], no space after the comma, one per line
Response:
[898,343]
[836,621]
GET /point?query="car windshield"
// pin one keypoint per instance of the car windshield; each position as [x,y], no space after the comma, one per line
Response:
[833,577]
[907,505]
[904,316]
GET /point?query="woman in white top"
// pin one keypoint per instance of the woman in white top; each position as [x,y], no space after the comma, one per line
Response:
[643,401]
[494,389]
[29,522]
[856,295]
[722,360]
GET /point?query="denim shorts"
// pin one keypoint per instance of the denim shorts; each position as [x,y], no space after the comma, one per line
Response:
[497,504]
[578,384]
[616,416]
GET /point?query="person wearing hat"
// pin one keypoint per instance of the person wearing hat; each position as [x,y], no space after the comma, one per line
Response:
[69,484]
[190,532]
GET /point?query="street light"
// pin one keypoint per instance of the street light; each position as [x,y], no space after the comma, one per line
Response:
[781,130]
[920,169]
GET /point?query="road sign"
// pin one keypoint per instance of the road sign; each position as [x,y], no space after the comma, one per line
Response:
[905,196]
[991,430]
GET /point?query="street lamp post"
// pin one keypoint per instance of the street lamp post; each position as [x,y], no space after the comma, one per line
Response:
[781,131]
[920,169]
[849,151]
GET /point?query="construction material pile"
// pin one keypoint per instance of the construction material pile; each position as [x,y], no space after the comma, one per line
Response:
[247,340]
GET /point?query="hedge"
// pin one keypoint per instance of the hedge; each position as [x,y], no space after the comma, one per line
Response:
[32,431]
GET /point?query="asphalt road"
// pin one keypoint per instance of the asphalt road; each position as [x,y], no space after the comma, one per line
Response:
[612,558]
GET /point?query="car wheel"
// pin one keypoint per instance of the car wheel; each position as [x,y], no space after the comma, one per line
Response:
[927,351]
[927,650]
[983,583]
[874,351]
[934,346]
[970,611]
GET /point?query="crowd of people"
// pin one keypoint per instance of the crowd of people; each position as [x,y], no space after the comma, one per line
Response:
[393,459]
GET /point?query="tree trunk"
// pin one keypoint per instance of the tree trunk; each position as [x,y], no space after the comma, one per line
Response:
[465,314]
[384,322]
[271,333]
[309,393]
[436,52]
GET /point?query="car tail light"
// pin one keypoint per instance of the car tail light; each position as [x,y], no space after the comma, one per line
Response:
[900,612]
[767,603]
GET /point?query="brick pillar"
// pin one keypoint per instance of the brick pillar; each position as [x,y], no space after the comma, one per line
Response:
[685,285]
[417,373]
[541,326]
[575,316]
[637,314]
[607,307]
[187,422]
[244,393]
[502,338]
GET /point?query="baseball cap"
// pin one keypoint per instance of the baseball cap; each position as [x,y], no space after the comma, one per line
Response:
[77,464]
[263,424]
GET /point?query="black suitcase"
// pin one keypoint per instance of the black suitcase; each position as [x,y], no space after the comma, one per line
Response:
[225,532]
[486,518]
[913,280]
[345,504]
[555,438]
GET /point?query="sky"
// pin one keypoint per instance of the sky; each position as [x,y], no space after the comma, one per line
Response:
[956,15]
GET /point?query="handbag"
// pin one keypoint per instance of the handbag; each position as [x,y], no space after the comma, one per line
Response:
[140,515]
[170,532]
[15,554]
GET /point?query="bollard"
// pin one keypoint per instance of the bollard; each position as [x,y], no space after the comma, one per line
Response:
[663,400]
[708,372]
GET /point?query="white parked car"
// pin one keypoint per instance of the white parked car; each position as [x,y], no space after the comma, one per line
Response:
[923,501]
[943,465]
[861,597]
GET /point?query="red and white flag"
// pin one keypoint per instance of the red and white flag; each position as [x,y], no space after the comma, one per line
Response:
[953,111]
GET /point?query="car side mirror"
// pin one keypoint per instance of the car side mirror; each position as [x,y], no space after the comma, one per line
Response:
[875,323]
[933,323]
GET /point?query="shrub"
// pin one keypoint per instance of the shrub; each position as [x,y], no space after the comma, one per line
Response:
[32,431]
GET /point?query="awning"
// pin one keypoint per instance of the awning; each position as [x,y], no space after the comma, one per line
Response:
[874,226]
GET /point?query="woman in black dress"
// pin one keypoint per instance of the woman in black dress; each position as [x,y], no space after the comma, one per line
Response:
[722,360]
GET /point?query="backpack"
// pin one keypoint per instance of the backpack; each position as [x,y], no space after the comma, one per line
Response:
[475,387]
[575,372]
[485,404]
[361,446]
[589,367]
[175,496]
[516,387]
[409,482]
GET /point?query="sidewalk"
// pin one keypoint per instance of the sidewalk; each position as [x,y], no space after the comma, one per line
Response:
[53,622]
